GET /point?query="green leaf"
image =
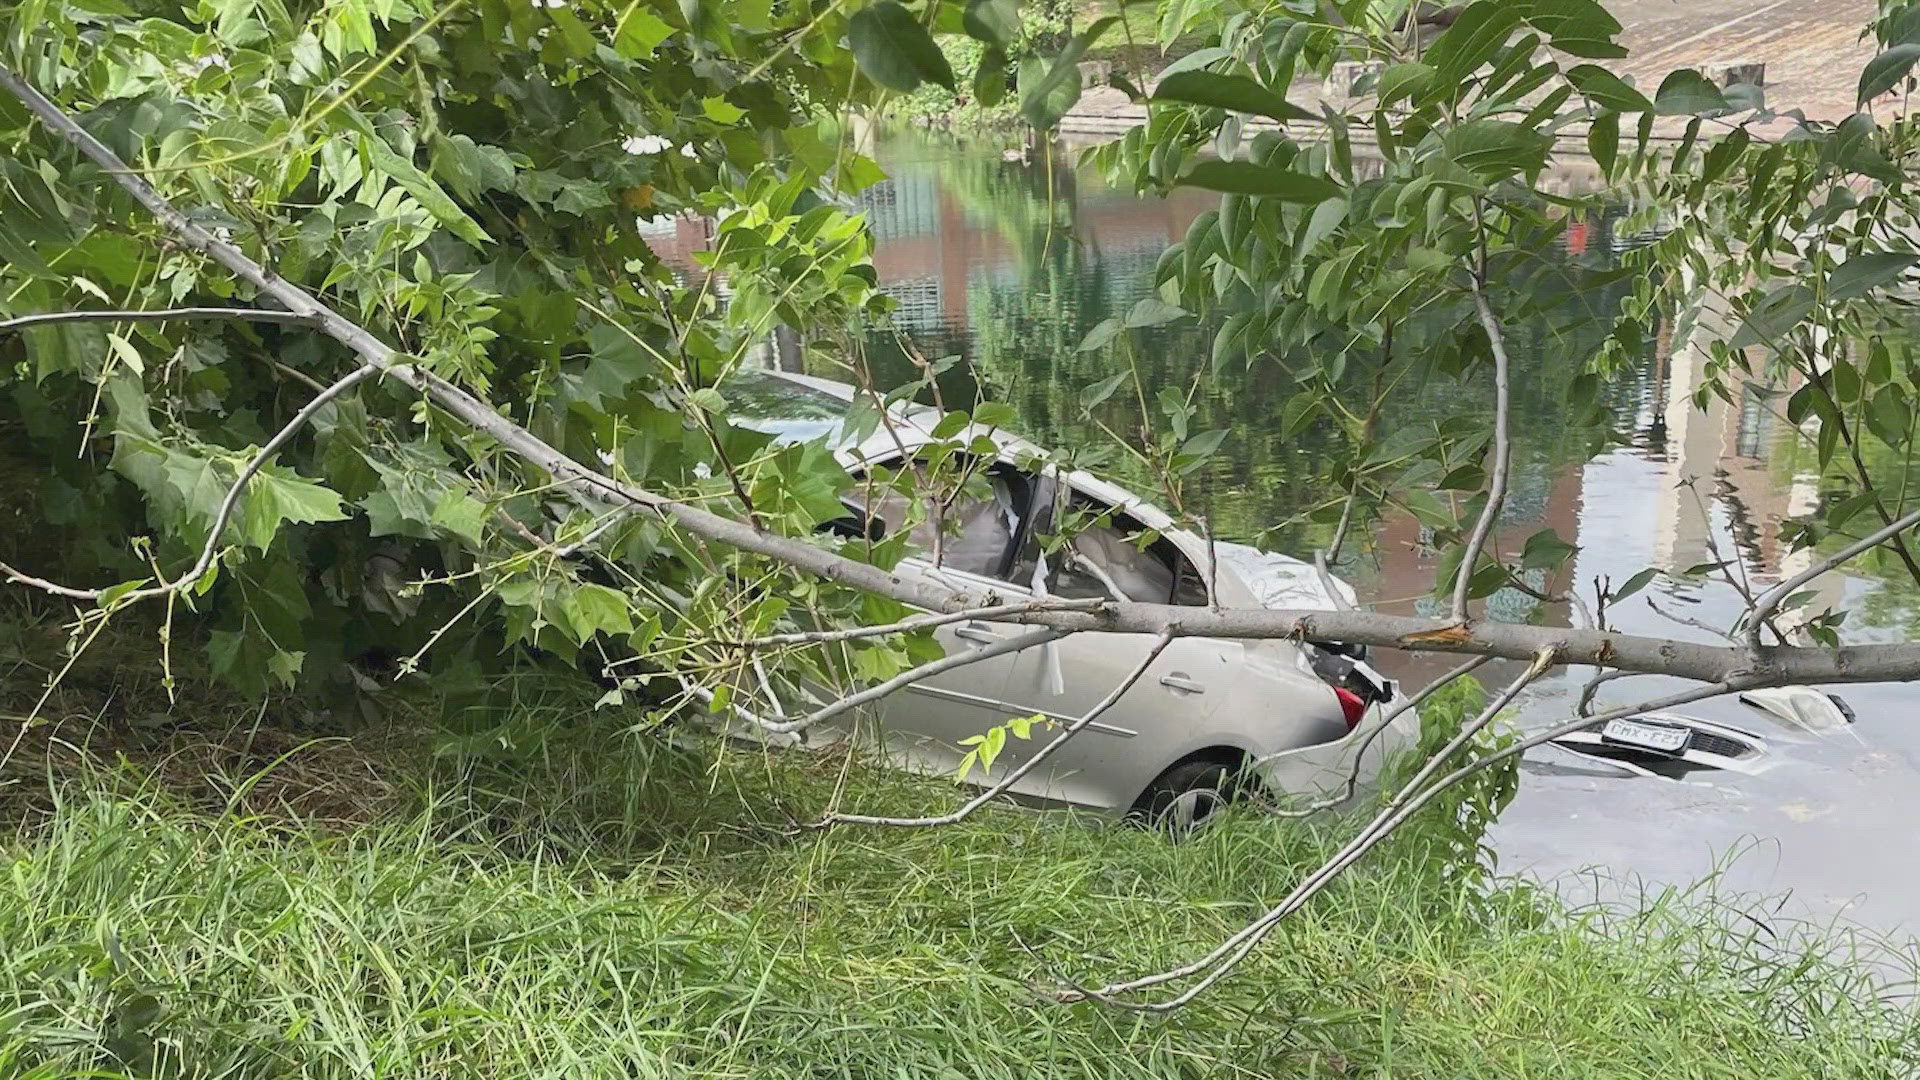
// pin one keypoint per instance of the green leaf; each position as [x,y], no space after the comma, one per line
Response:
[1545,550]
[1402,80]
[996,22]
[1153,311]
[1607,90]
[1864,273]
[1686,92]
[1203,445]
[1246,178]
[639,32]
[1050,86]
[589,609]
[1234,92]
[994,414]
[276,496]
[1472,40]
[721,111]
[1885,71]
[894,50]
[125,353]
[1102,333]
[1495,149]
[1635,583]
[422,188]
[1773,316]
[1102,390]
[461,514]
[990,79]
[708,399]
[951,424]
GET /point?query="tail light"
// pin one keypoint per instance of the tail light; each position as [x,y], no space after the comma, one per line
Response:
[1351,706]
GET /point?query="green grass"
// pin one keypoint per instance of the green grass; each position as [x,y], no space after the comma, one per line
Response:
[602,909]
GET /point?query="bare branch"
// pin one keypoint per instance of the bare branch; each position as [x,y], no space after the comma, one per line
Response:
[1236,946]
[1381,828]
[1688,620]
[918,622]
[1502,454]
[57,589]
[907,678]
[1005,785]
[44,318]
[1770,600]
[1359,755]
[1585,705]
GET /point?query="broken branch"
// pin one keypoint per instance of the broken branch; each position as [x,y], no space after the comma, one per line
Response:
[1005,785]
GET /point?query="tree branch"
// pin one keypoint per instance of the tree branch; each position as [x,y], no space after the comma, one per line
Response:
[919,588]
[1770,600]
[1359,756]
[1228,956]
[1005,785]
[211,548]
[918,622]
[1502,454]
[1228,953]
[907,678]
[23,322]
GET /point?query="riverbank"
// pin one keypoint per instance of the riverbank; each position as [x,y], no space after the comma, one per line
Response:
[608,907]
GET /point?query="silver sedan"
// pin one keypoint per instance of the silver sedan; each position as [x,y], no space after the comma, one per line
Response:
[1299,719]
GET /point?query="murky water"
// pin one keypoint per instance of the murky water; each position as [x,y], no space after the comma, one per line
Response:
[1007,264]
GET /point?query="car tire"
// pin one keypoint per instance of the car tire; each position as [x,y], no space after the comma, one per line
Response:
[1181,800]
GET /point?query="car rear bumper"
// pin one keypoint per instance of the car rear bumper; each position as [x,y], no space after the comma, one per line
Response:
[1340,769]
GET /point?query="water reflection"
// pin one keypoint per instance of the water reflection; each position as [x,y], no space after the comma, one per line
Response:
[1006,259]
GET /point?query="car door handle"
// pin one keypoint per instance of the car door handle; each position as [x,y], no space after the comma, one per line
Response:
[976,631]
[1179,681]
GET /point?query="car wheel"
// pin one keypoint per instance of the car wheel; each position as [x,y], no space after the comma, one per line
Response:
[1182,799]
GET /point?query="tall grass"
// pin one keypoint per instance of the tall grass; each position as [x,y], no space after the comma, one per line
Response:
[607,907]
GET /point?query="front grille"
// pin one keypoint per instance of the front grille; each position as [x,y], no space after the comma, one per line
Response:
[1709,743]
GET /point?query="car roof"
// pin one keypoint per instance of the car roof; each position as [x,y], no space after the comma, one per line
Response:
[813,407]
[809,399]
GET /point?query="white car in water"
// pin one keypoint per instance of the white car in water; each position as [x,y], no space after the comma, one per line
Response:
[1296,718]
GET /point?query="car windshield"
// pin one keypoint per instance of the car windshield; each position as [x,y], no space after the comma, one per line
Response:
[788,410]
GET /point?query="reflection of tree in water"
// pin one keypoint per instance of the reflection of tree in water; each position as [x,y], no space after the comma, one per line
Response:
[1027,318]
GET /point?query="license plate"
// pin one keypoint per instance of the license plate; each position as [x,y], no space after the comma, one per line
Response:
[1667,740]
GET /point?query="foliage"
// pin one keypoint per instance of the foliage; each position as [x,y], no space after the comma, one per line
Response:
[640,911]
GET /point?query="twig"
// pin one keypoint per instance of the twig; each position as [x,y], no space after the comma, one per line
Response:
[1359,755]
[918,622]
[211,548]
[906,678]
[22,322]
[1223,958]
[1005,785]
[1570,597]
[1502,451]
[1585,706]
[1688,620]
[1386,825]
[1769,601]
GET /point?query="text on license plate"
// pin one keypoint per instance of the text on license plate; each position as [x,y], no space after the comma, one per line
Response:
[1650,736]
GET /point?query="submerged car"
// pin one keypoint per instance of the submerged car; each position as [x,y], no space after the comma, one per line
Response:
[1209,715]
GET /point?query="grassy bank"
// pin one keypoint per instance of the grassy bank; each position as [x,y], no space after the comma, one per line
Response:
[600,909]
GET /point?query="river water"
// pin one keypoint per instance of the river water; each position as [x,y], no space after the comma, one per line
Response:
[1007,264]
